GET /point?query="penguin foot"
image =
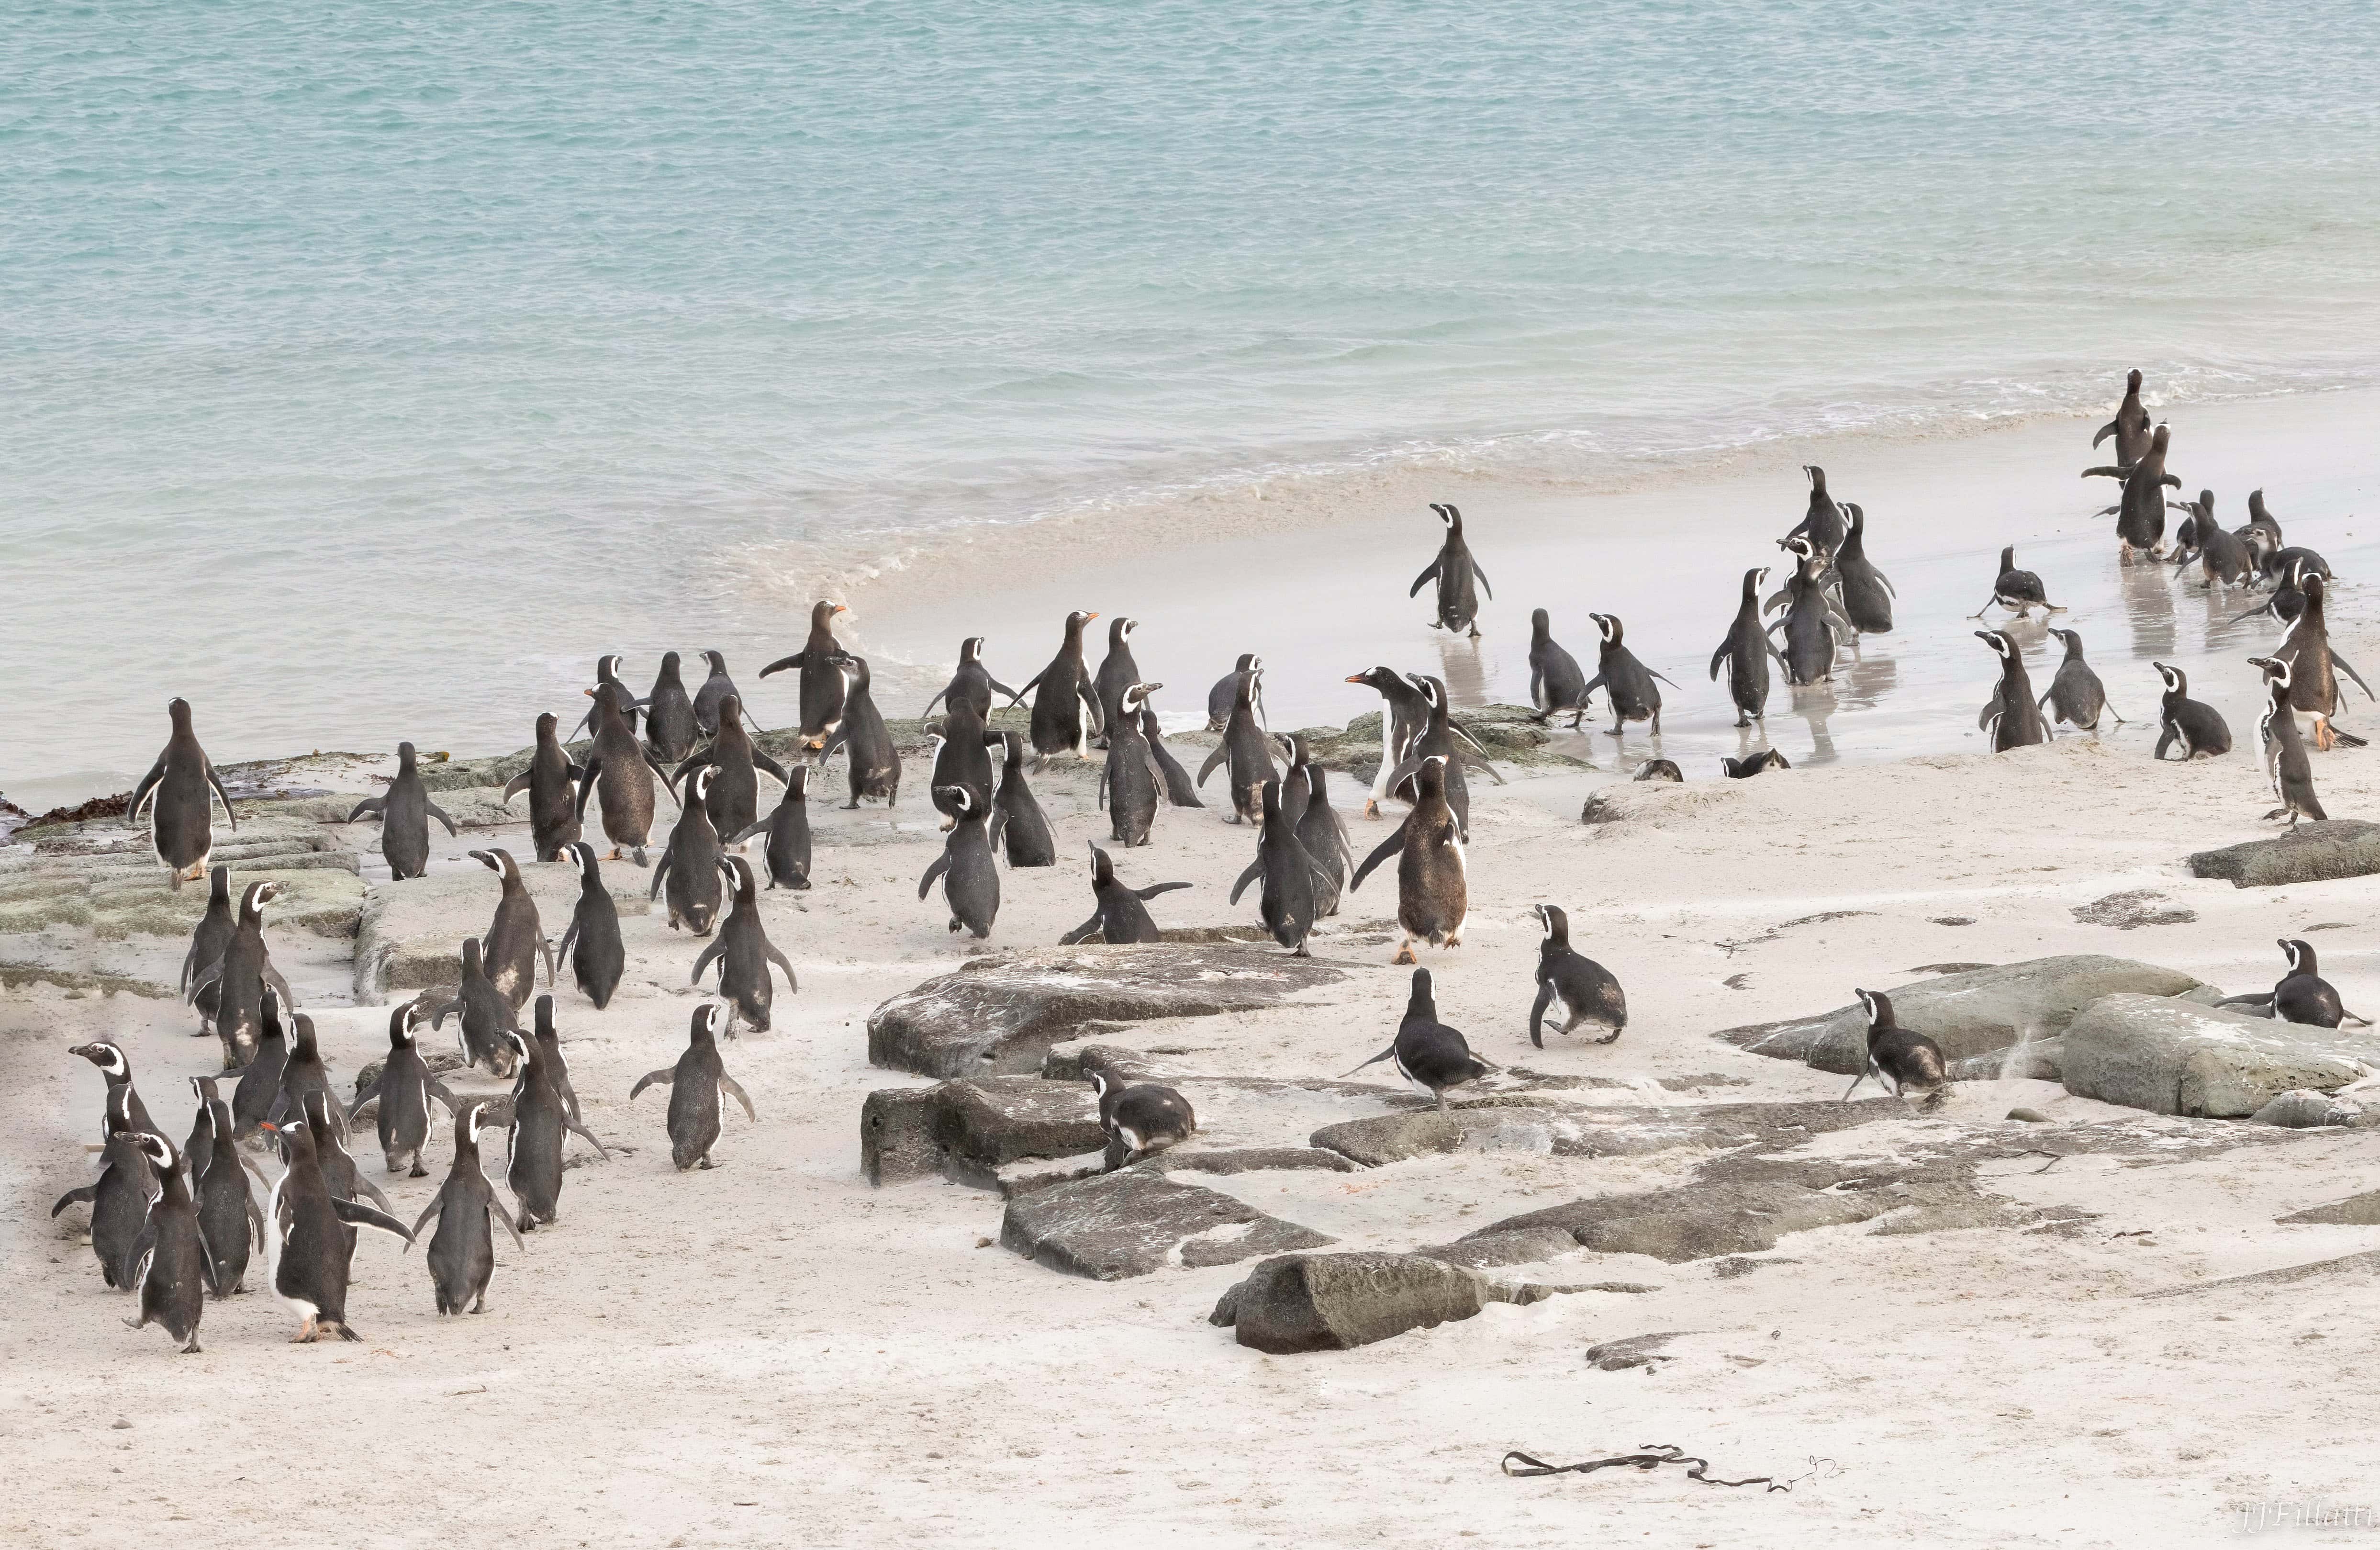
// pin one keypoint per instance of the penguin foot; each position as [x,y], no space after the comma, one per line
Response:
[1405,954]
[134,1323]
[306,1335]
[706,1162]
[192,1348]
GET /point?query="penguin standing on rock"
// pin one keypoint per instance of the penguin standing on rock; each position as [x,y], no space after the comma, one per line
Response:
[404,1088]
[169,1259]
[787,848]
[404,812]
[2076,694]
[970,874]
[1017,821]
[1140,1119]
[1433,891]
[482,1014]
[541,1127]
[1460,579]
[2013,719]
[699,1088]
[228,1218]
[1245,751]
[1898,1059]
[1582,989]
[462,1253]
[592,945]
[670,731]
[180,793]
[207,944]
[2301,995]
[1867,594]
[1128,787]
[119,1197]
[625,772]
[690,865]
[822,685]
[551,782]
[240,977]
[1121,919]
[1633,687]
[1066,709]
[1227,688]
[743,952]
[1745,654]
[1556,682]
[1286,899]
[1427,1052]
[2196,727]
[1403,712]
[515,941]
[2285,752]
[313,1252]
[2019,590]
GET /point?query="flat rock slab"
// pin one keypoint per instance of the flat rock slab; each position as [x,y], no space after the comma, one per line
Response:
[409,935]
[2355,1211]
[101,879]
[1600,1131]
[967,1130]
[1702,1221]
[2133,909]
[1336,1302]
[2171,1056]
[1000,1016]
[1969,1014]
[1116,1226]
[2309,853]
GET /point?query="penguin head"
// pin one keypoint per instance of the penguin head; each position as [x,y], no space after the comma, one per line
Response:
[971,649]
[177,710]
[822,611]
[400,1026]
[2073,641]
[1075,621]
[2157,443]
[1854,520]
[1096,1073]
[582,858]
[607,666]
[1370,677]
[1799,546]
[669,665]
[1878,1006]
[718,661]
[318,1112]
[798,788]
[740,880]
[1432,691]
[549,727]
[467,1123]
[1447,515]
[2310,583]
[2176,680]
[1817,477]
[958,796]
[404,758]
[1556,923]
[2002,643]
[2276,672]
[523,1052]
[730,712]
[204,1089]
[157,1149]
[269,1012]
[470,955]
[1608,625]
[1293,748]
[500,863]
[1137,696]
[2300,954]
[258,896]
[544,1018]
[1102,867]
[1541,624]
[104,1056]
[709,1022]
[702,777]
[2132,380]
[1120,631]
[1754,578]
[1420,1002]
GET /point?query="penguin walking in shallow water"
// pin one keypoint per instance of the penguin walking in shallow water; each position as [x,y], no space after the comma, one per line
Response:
[1140,1119]
[482,1014]
[1065,708]
[970,874]
[2130,426]
[1121,919]
[313,1252]
[874,771]
[1745,654]
[1018,823]
[787,849]
[404,812]
[1898,1059]
[1822,523]
[178,793]
[1245,752]
[689,865]
[2314,666]
[744,953]
[207,943]
[229,1221]
[1403,712]
[1286,899]
[1866,592]
[822,685]
[541,1127]
[1746,767]
[2196,727]
[1427,1052]
[2019,590]
[1226,690]
[1129,786]
[1582,989]
[1460,579]
[1180,789]
[1305,801]
[515,941]
[239,978]
[2076,695]
[592,946]
[2301,995]
[623,773]
[119,1197]
[260,1080]
[1433,891]
[2140,511]
[404,1088]
[1556,682]
[551,782]
[2285,752]
[1813,629]
[169,1259]
[699,1088]
[2013,719]
[462,1253]
[670,729]
[1633,687]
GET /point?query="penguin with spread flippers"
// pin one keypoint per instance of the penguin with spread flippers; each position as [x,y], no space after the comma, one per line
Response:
[1577,988]
[1866,592]
[1822,523]
[1065,706]
[624,771]
[744,954]
[2013,717]
[1633,687]
[1745,654]
[1245,753]
[313,1248]
[260,1080]
[240,977]
[699,1088]
[874,771]
[404,812]
[1285,900]
[1899,1060]
[1018,824]
[1121,919]
[1219,698]
[169,1258]
[2075,694]
[1118,671]
[1460,579]
[1129,786]
[607,678]
[969,873]
[462,1252]
[119,1197]
[736,763]
[2130,426]
[1180,789]
[1403,712]
[2140,511]
[786,849]
[551,782]
[228,1218]
[482,1014]
[178,793]
[1433,891]
[542,1128]
[2301,995]
[404,1089]
[208,940]
[516,941]
[2192,725]
[1140,1119]
[1556,681]
[670,729]
[592,946]
[2285,752]
[822,685]
[1427,1052]
[688,868]
[2314,666]
[972,684]
[2018,590]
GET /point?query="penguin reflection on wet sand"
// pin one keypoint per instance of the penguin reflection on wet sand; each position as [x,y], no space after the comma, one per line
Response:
[1460,579]
[1898,1059]
[1433,890]
[2285,752]
[2301,995]
[2196,728]
[2019,590]
[1121,919]
[699,1088]
[1140,1119]
[1427,1052]
[2075,694]
[1576,987]
[178,794]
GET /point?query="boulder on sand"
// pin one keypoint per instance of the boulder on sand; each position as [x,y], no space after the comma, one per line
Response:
[1598,1131]
[2308,853]
[1113,1226]
[967,1130]
[1702,1221]
[2169,1056]
[1335,1302]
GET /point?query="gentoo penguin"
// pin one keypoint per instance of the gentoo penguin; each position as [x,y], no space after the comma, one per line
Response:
[169,1259]
[312,1249]
[1898,1059]
[1814,628]
[2314,666]
[547,1040]
[180,790]
[627,772]
[1667,769]
[1226,690]
[1867,594]
[2076,694]
[734,799]
[1066,709]
[260,1080]
[2020,590]
[745,952]
[970,876]
[1439,738]
[819,742]
[1630,686]
[1556,681]
[708,699]
[404,1088]
[2199,729]
[2013,719]
[670,729]
[551,782]
[1427,1052]
[1305,801]
[207,944]
[1180,789]
[971,684]
[592,946]
[1119,919]
[690,865]
[699,1088]
[302,1073]
[1822,523]
[228,1219]
[1433,895]
[541,1125]
[2140,511]
[240,977]
[875,763]
[119,1197]
[1245,753]
[1403,711]
[821,686]
[121,1095]
[1460,579]
[1751,764]
[1286,900]
[1128,785]
[787,848]
[962,762]
[607,678]
[1140,1119]
[1117,671]
[2285,754]
[2301,995]
[1581,988]
[1018,824]
[462,1253]
[1745,654]
[404,812]
[482,1014]
[514,942]
[2130,426]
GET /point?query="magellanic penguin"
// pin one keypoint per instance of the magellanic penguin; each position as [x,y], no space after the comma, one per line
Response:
[1749,764]
[2012,718]
[1305,801]
[1140,1119]
[1898,1059]
[325,1122]
[260,1080]
[1403,711]
[1433,893]
[179,792]
[1633,687]
[200,1149]
[592,945]
[1286,899]
[1667,769]
[2140,511]
[2130,426]
[313,1253]
[1814,628]
[670,730]
[1582,989]
[1439,738]
[2019,590]
[970,874]
[1226,690]
[1245,753]
[546,1039]
[821,683]
[305,1072]
[1556,681]
[1427,1052]
[551,782]
[515,941]
[1118,671]
[542,1126]
[1460,579]
[1066,708]
[1745,654]
[240,977]
[207,943]
[1129,784]
[874,765]
[1018,825]
[482,1014]
[2285,753]
[627,772]
[2301,995]
[962,762]
[1180,789]
[122,1098]
[699,1088]
[607,678]
[2076,694]
[2224,559]
[1822,523]
[736,763]
[2293,561]
[404,812]
[688,868]
[462,1253]
[2198,728]
[169,1259]
[404,1089]
[1119,920]
[712,697]
[119,1197]
[1867,594]
[786,850]
[743,952]
[228,1218]
[2314,666]
[971,684]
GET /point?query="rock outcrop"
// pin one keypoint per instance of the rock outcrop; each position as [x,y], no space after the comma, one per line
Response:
[2171,1057]
[1138,1221]
[2308,853]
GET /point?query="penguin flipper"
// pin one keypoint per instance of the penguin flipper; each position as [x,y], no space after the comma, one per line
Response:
[729,1085]
[281,986]
[148,787]
[356,1214]
[1256,870]
[757,828]
[545,945]
[1537,1013]
[1386,848]
[762,762]
[568,936]
[1214,759]
[438,1016]
[1481,576]
[940,864]
[1425,577]
[428,1215]
[2347,668]
[135,1266]
[2172,479]
[1144,895]
[655,765]
[1672,682]
[587,783]
[1718,657]
[515,785]
[255,1214]
[937,698]
[371,1091]
[232,818]
[440,1090]
[716,948]
[496,1214]
[206,977]
[2106,470]
[88,1194]
[2106,431]
[1080,933]
[1887,583]
[368,1187]
[783,962]
[440,813]
[583,1133]
[661,870]
[1384,1055]
[370,807]
[785,662]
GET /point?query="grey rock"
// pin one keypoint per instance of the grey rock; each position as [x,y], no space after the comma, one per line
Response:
[2355,1211]
[2133,909]
[1611,1130]
[2171,1057]
[1333,1302]
[1702,1221]
[2308,853]
[1247,1159]
[1734,1265]
[968,1130]
[1530,1246]
[2304,1110]
[2033,1060]
[1114,1226]
[1637,1351]
[2030,1116]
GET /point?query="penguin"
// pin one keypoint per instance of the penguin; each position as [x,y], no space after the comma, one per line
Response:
[2284,755]
[1581,988]
[2076,693]
[2224,559]
[1140,1119]
[971,684]
[699,1088]
[462,1253]
[1667,769]
[670,728]
[821,684]
[2130,426]
[962,762]
[326,1121]
[260,1080]
[1866,592]
[1180,789]
[302,1073]
[120,1094]
[627,772]
[1305,801]
[119,1197]
[1427,1052]
[708,699]
[551,782]
[404,1088]
[2140,512]
[1128,785]
[482,1014]
[200,1149]
[1119,919]
[970,874]
[592,945]
[1066,710]
[1460,579]
[313,1253]
[744,953]
[1440,738]
[1221,697]
[514,941]
[228,1218]
[1630,685]
[169,1259]
[1745,654]
[1822,525]
[787,848]
[1118,671]
[547,1040]
[2286,604]
[1556,682]
[818,742]
[734,799]
[179,792]
[404,812]
[690,865]
[2197,728]
[1244,753]
[2013,719]
[207,944]
[1286,900]
[1815,630]
[542,1126]
[875,763]
[2194,530]
[2263,532]
[2020,590]
[607,678]
[2301,995]
[1403,711]
[1018,824]
[1897,1058]
[240,977]
[2294,560]
[2314,666]
[1433,893]
[1750,766]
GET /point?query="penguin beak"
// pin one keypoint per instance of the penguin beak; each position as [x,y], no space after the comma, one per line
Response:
[1354,678]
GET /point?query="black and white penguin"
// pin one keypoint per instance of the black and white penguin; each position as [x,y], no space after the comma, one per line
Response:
[688,867]
[1180,789]
[1745,654]
[229,1221]
[607,678]
[2292,564]
[121,1096]
[1439,738]
[547,1040]
[169,1259]
[240,976]
[2285,752]
[670,729]
[737,761]
[260,1080]
[404,1088]
[404,812]
[1556,681]
[514,942]
[1403,712]
[551,782]
[2314,666]
[1226,690]
[821,683]
[970,874]
[2301,995]
[2140,511]
[1118,671]
[482,1014]
[207,943]
[2130,426]
[1667,769]
[1427,1052]
[200,1149]
[1433,893]
[712,695]
[962,763]
[786,850]
[1866,592]
[462,1252]
[541,1127]
[2020,590]
[1582,989]
[1245,753]
[2013,719]
[743,952]
[1460,579]
[875,764]
[699,1088]
[1822,524]
[627,772]
[1749,764]
[1018,824]
[971,684]
[1305,801]
[592,946]
[1286,900]
[1066,708]
[119,1197]
[1140,1119]
[1898,1059]
[1129,784]
[327,1122]
[1814,628]
[1120,918]
[2224,559]
[1633,687]
[2263,532]
[180,793]
[305,1072]
[313,1252]
[2198,728]
[2075,694]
